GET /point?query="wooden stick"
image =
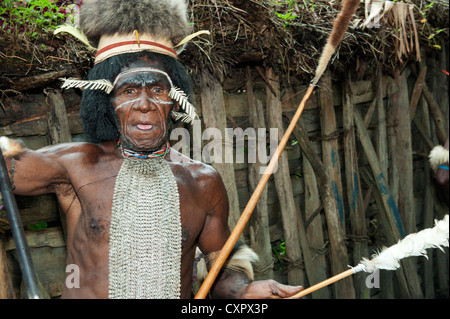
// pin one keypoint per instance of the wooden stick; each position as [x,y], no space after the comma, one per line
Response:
[246,214]
[324,283]
[23,252]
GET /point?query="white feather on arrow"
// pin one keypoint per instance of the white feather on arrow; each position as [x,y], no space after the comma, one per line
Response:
[412,245]
[389,258]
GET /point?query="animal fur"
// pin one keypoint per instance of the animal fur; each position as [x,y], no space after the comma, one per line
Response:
[438,156]
[11,148]
[241,260]
[163,18]
[340,26]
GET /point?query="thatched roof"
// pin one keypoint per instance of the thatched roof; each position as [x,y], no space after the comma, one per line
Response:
[287,34]
[290,35]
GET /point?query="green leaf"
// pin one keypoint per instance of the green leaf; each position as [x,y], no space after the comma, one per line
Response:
[41,225]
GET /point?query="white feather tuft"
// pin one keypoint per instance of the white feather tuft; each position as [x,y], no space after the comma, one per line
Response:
[179,96]
[103,85]
[412,245]
[438,156]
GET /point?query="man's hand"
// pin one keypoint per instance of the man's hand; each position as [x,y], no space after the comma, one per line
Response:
[268,289]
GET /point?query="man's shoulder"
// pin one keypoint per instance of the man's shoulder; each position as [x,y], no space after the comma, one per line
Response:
[195,169]
[77,150]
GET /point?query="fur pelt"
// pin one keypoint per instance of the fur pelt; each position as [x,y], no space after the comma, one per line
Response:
[240,260]
[438,156]
[11,148]
[163,18]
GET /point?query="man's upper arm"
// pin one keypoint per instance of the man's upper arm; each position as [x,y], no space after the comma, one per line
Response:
[35,172]
[215,231]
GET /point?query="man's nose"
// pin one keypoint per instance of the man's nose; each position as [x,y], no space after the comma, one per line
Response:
[145,104]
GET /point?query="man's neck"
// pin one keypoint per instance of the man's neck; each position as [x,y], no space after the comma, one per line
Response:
[161,151]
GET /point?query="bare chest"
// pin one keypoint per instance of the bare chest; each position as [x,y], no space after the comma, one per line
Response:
[95,211]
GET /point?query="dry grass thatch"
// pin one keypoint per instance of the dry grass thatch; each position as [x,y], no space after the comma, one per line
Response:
[290,35]
[286,34]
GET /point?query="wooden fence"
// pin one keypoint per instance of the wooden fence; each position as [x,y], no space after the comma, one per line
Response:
[355,176]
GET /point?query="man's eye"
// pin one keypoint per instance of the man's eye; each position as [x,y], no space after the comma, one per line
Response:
[129,91]
[158,90]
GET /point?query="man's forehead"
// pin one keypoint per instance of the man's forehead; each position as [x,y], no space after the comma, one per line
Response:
[143,74]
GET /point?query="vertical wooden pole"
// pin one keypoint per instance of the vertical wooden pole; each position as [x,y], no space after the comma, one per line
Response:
[401,112]
[343,289]
[314,228]
[330,144]
[262,245]
[6,287]
[214,116]
[428,220]
[382,147]
[386,280]
[354,194]
[393,224]
[289,211]
[58,131]
[392,144]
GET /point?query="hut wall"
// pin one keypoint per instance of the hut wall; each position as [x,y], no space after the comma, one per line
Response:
[25,117]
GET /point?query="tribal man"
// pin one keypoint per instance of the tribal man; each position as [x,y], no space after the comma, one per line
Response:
[134,216]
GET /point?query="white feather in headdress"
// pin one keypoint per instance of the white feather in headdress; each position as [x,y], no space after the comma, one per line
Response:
[179,96]
[77,33]
[102,85]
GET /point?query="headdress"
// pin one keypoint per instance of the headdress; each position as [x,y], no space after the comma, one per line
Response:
[120,32]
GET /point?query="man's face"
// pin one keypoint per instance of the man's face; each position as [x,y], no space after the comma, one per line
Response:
[141,101]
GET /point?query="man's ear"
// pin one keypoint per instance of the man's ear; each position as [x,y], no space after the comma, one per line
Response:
[176,106]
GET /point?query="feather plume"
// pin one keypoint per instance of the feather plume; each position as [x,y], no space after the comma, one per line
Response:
[192,36]
[438,156]
[77,33]
[183,117]
[179,96]
[412,245]
[340,26]
[103,85]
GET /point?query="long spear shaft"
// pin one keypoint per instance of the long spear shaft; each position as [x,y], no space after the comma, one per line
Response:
[25,262]
[246,214]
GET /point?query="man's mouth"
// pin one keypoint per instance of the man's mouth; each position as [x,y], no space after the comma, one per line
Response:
[144,127]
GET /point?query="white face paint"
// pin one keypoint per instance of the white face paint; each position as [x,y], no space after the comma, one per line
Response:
[140,71]
[138,101]
[157,82]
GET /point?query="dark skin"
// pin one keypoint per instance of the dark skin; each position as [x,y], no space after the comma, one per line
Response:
[83,175]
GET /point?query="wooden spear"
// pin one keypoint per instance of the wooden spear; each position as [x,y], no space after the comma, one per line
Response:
[340,26]
[239,228]
[23,253]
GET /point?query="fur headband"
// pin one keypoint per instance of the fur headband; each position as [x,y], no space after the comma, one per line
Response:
[163,21]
